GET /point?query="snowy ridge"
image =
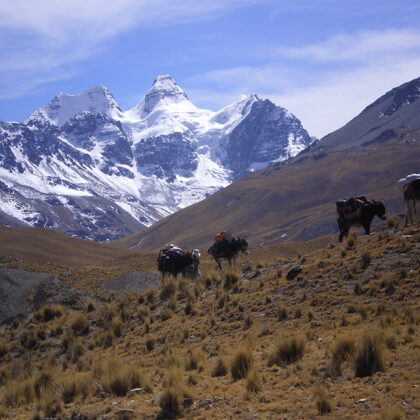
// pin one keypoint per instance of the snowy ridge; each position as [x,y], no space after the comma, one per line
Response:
[83,166]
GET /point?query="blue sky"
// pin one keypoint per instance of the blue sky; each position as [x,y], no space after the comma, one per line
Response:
[323,60]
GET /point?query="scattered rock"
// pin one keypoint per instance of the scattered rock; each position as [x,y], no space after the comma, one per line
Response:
[207,402]
[137,391]
[293,272]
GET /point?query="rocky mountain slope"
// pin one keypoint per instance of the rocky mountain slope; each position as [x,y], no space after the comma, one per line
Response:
[295,199]
[83,166]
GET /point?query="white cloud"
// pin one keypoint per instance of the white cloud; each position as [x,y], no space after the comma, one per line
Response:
[326,84]
[43,40]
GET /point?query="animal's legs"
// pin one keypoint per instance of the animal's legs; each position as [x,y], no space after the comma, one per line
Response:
[219,264]
[367,229]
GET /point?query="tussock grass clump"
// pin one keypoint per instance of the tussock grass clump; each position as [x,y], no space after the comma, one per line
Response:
[117,326]
[168,288]
[322,401]
[73,347]
[90,307]
[4,349]
[370,358]
[366,259]
[74,387]
[242,362]
[150,344]
[117,378]
[48,312]
[287,351]
[248,321]
[358,289]
[106,313]
[50,404]
[173,377]
[281,313]
[80,324]
[29,339]
[170,403]
[231,279]
[18,392]
[43,382]
[344,350]
[390,341]
[391,222]
[194,360]
[351,240]
[103,339]
[220,368]
[253,381]
[165,314]
[188,309]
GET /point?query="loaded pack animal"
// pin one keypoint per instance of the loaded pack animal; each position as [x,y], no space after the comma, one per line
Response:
[358,212]
[411,194]
[228,248]
[173,260]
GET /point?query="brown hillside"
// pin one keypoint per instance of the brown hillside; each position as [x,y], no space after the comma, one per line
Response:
[45,245]
[291,201]
[338,340]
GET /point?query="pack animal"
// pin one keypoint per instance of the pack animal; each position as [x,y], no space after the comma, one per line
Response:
[173,260]
[361,215]
[411,194]
[229,250]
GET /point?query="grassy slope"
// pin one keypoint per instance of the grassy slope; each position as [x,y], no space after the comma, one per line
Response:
[321,307]
[44,245]
[296,199]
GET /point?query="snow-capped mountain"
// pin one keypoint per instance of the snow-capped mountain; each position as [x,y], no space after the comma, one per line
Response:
[84,166]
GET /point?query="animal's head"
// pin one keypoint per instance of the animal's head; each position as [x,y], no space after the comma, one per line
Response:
[379,208]
[243,245]
[196,255]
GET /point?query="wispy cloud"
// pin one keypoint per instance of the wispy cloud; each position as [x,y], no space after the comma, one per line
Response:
[328,83]
[42,40]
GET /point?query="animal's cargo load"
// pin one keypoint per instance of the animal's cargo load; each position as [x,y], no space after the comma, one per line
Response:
[223,236]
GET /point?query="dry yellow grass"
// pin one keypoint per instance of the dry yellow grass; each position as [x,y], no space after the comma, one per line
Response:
[187,369]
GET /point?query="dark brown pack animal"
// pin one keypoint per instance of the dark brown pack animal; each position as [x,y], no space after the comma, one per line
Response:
[174,261]
[363,216]
[229,250]
[411,194]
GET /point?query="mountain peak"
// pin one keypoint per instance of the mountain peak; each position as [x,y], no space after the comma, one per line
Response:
[63,107]
[164,89]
